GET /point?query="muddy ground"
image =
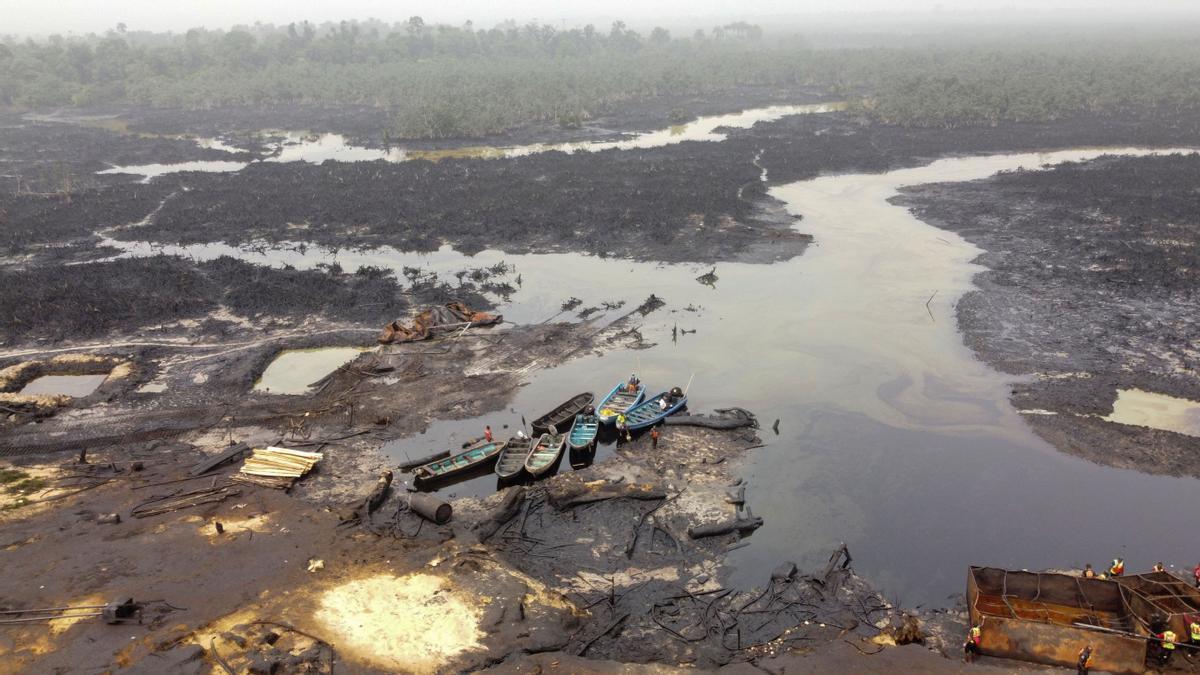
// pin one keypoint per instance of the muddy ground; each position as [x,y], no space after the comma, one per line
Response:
[595,563]
[1092,287]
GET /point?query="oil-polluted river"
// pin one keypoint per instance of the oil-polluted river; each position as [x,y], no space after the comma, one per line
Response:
[893,437]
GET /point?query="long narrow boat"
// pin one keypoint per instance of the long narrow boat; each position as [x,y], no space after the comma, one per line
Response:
[583,432]
[648,413]
[561,417]
[473,457]
[512,458]
[618,401]
[545,454]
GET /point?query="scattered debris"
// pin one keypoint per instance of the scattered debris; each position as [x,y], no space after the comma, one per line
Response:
[157,506]
[569,491]
[440,319]
[743,523]
[316,565]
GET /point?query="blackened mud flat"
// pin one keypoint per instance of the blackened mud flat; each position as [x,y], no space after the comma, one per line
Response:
[1092,287]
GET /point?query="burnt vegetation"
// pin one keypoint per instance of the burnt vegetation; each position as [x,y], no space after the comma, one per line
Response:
[88,301]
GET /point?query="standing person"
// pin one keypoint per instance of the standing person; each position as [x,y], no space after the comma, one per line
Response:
[623,427]
[632,385]
[1088,572]
[971,646]
[1158,567]
[1085,660]
[487,433]
[1193,635]
[1196,574]
[1167,640]
[1118,567]
[654,434]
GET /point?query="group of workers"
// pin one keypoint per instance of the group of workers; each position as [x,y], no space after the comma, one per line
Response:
[664,404]
[1162,644]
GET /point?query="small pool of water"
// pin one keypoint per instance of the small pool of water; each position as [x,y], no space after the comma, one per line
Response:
[1157,411]
[295,370]
[69,385]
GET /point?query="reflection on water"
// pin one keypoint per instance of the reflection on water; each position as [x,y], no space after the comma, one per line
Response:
[316,148]
[1157,411]
[68,385]
[295,370]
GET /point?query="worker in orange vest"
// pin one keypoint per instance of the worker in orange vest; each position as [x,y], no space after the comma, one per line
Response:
[1085,660]
[1118,567]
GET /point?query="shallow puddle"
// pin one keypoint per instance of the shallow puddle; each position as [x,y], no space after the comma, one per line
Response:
[1157,411]
[294,371]
[77,386]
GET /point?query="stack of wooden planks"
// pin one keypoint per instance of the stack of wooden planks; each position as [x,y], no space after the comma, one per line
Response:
[276,467]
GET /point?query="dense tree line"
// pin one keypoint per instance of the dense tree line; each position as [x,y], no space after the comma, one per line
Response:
[442,81]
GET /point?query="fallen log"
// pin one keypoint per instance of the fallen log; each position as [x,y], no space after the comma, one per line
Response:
[568,494]
[414,463]
[739,525]
[509,507]
[726,418]
[373,500]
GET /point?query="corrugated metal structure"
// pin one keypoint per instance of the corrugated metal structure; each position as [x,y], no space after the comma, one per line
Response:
[1163,596]
[1045,617]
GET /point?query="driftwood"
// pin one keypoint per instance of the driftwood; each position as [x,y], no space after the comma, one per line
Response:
[568,494]
[217,460]
[726,418]
[509,507]
[741,525]
[414,463]
[373,500]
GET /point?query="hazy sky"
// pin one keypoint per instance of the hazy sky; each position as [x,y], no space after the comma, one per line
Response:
[80,16]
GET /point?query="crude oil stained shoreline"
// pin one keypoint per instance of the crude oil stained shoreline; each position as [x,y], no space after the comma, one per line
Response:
[1100,260]
[211,387]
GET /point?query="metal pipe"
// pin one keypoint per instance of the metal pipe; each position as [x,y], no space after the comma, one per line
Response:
[31,619]
[51,609]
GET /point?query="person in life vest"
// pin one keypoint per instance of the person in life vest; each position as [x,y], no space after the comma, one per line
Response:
[1193,635]
[1158,567]
[1118,567]
[1085,660]
[623,427]
[1088,572]
[632,385]
[1167,640]
[971,646]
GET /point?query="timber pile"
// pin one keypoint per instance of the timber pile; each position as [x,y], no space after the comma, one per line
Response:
[276,467]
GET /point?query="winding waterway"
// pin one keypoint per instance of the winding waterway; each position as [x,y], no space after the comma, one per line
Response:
[893,438]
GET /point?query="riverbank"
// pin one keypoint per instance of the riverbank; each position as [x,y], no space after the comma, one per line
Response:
[1090,290]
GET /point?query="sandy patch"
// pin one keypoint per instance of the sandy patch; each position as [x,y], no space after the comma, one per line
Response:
[413,623]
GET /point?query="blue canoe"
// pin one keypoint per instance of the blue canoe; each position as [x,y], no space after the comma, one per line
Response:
[583,432]
[617,402]
[648,413]
[473,457]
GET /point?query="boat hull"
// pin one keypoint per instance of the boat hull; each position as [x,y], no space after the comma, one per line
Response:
[648,413]
[475,457]
[618,401]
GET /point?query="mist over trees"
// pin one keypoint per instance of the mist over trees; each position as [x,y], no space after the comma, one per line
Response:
[442,81]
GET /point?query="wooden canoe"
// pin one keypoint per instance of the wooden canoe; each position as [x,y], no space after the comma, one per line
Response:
[561,417]
[583,432]
[473,457]
[617,402]
[512,458]
[546,453]
[648,413]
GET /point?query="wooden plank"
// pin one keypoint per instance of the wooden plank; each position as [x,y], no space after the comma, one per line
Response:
[219,459]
